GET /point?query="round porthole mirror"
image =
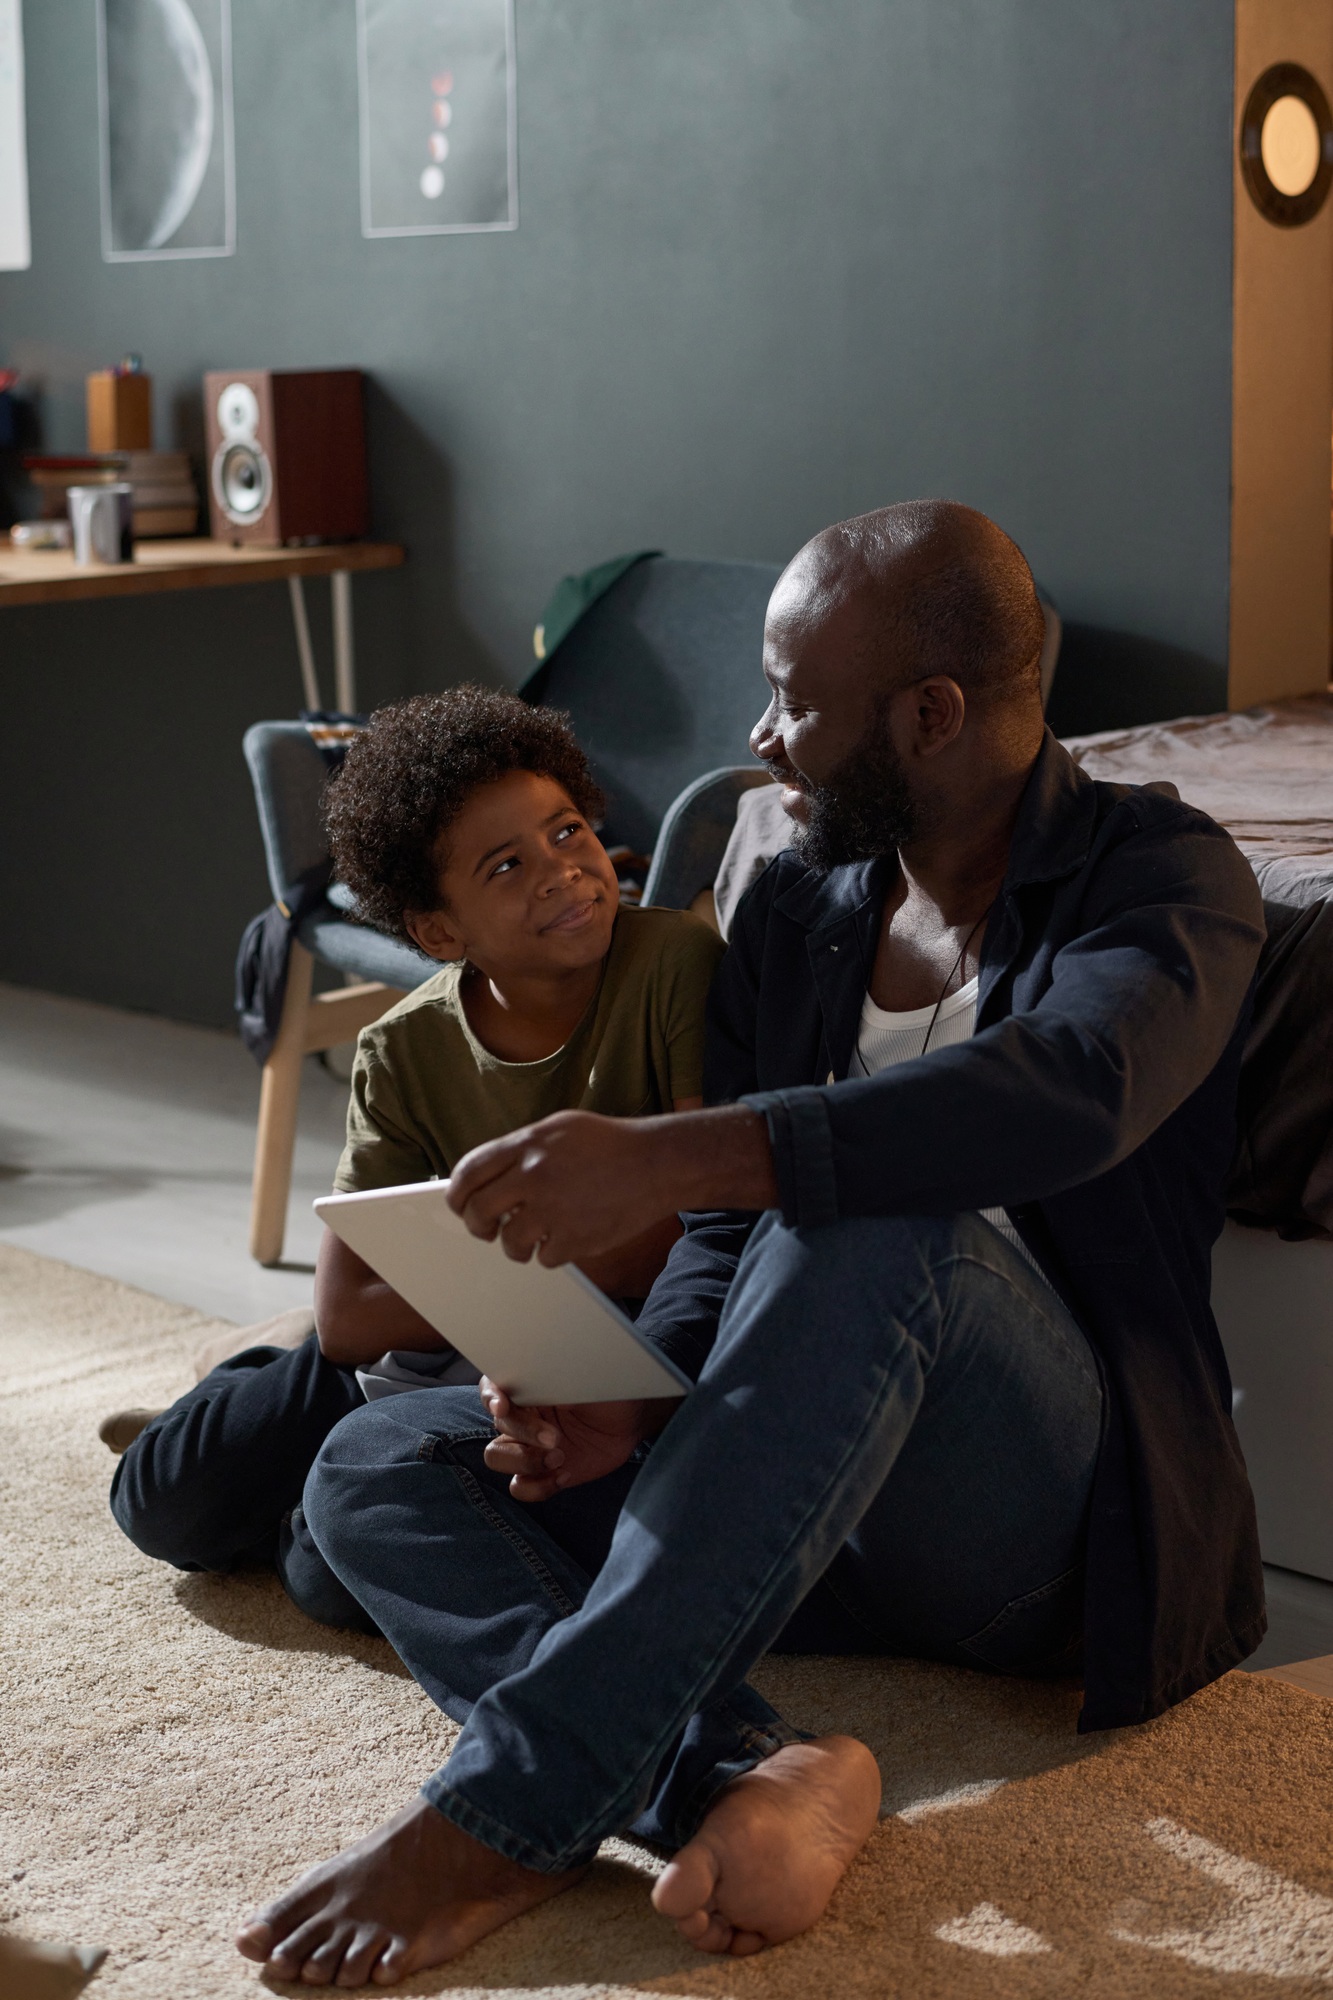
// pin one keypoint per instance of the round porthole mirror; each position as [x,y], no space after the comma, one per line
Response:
[1286,145]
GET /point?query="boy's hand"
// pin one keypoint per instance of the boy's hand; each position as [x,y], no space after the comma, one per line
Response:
[577,1185]
[545,1450]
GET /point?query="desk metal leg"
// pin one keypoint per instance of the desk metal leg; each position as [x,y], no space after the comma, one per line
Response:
[303,646]
[344,662]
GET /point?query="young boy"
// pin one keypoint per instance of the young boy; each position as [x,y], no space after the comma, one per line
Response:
[462,822]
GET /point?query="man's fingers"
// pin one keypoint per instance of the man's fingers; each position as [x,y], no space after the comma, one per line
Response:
[532,1425]
[482,1166]
[499,1210]
[533,1489]
[485,1207]
[524,1461]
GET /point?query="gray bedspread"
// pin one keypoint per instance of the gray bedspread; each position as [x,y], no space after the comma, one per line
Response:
[1265,774]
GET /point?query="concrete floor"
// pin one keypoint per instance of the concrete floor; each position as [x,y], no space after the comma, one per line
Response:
[126,1144]
[125,1148]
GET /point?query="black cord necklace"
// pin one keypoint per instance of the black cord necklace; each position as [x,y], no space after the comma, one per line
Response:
[944,990]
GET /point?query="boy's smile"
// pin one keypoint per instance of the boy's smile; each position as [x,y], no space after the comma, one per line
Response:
[576,915]
[528,896]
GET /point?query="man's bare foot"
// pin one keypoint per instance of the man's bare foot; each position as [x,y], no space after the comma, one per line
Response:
[414,1893]
[774,1848]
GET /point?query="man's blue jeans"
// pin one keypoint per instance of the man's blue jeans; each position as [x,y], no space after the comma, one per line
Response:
[890,1449]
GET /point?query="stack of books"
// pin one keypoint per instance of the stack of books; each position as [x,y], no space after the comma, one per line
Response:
[165,500]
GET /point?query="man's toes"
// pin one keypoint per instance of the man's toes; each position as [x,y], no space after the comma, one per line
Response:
[744,1944]
[289,1958]
[256,1939]
[715,1935]
[693,1927]
[362,1953]
[394,1963]
[323,1966]
[269,1930]
[687,1883]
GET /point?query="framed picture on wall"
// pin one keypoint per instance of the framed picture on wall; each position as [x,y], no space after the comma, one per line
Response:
[15,241]
[439,136]
[168,177]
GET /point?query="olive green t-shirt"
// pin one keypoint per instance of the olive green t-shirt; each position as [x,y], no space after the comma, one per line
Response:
[425,1091]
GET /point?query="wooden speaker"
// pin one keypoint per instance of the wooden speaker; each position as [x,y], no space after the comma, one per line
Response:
[286,455]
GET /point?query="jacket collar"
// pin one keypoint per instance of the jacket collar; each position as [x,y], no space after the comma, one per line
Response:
[1054,829]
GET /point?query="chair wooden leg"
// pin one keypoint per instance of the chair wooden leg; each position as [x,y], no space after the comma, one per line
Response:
[279,1096]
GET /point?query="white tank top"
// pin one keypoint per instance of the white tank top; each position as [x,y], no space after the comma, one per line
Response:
[886,1039]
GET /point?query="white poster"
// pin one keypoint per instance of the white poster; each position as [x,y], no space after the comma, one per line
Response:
[439,135]
[15,242]
[168,180]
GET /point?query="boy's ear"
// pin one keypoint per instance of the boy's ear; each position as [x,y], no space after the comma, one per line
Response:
[431,932]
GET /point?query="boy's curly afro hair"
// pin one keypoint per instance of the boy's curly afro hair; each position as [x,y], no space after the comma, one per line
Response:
[406,778]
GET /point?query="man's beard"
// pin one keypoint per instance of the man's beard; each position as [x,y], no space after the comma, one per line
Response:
[864,810]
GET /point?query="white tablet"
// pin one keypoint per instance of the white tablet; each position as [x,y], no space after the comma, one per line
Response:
[543,1336]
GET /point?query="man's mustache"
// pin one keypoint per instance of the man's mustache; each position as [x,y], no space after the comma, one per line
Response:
[785,774]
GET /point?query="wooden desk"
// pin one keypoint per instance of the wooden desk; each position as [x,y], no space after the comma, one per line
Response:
[51,576]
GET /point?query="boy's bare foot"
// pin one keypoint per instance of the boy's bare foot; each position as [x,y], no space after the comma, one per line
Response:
[773,1849]
[122,1427]
[414,1893]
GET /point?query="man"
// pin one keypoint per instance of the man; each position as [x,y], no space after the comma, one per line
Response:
[943,1288]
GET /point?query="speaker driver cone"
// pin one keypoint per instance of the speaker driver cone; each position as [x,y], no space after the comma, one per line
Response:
[1286,145]
[242,482]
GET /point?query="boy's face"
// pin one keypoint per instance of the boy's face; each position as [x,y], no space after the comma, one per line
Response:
[525,888]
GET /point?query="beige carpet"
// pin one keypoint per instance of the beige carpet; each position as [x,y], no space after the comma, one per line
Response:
[177,1748]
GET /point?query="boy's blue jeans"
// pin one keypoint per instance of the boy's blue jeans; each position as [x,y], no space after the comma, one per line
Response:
[890,1450]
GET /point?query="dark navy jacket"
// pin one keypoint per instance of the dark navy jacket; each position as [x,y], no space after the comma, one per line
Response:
[1096,1103]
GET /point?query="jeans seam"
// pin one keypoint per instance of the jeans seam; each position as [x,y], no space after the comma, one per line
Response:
[430,1449]
[616,1807]
[1027,1600]
[452,1805]
[758,1744]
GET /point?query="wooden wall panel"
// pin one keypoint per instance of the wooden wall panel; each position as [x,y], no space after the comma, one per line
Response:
[1282,396]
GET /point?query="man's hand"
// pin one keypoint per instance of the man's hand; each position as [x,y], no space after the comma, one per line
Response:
[577,1185]
[545,1450]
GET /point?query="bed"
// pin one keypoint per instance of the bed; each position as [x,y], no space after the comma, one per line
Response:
[1267,775]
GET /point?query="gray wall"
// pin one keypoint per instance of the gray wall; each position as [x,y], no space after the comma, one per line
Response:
[779,261]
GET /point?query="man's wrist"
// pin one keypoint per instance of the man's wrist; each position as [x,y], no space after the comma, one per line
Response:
[719,1158]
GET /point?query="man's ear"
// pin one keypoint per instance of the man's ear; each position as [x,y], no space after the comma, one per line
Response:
[431,931]
[938,708]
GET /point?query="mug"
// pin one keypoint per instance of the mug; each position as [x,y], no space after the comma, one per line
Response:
[102,518]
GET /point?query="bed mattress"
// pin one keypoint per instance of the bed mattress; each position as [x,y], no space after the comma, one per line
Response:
[1266,774]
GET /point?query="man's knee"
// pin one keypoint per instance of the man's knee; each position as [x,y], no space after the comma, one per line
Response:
[870,1243]
[369,1451]
[883,1265]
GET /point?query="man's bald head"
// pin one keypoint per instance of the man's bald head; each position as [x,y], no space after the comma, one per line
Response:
[920,588]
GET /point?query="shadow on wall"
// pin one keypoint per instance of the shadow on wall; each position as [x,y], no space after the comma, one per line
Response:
[1115,680]
[412,484]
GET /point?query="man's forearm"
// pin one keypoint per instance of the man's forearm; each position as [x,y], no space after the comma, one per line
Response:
[713,1159]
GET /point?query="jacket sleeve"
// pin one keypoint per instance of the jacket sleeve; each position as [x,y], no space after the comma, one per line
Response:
[1139,1007]
[682,1311]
